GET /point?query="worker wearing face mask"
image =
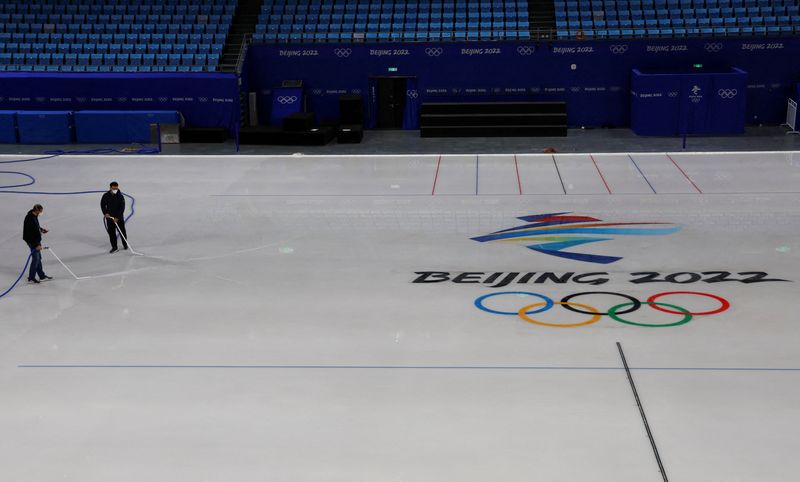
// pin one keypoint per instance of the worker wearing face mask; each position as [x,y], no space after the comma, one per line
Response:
[113,206]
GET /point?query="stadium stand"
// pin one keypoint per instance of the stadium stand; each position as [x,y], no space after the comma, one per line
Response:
[329,21]
[337,21]
[675,18]
[114,36]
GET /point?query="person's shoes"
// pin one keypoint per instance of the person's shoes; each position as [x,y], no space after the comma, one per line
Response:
[33,280]
[113,250]
[45,278]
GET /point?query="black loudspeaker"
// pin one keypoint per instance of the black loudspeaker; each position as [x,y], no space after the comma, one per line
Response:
[299,122]
[350,134]
[351,109]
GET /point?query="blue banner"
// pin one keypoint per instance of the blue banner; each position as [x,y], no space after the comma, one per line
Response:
[204,100]
[285,102]
[593,77]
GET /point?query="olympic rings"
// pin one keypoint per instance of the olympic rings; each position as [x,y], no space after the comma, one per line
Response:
[635,304]
[593,319]
[614,312]
[724,304]
[548,303]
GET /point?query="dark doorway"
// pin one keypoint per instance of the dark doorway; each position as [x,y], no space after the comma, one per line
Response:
[391,99]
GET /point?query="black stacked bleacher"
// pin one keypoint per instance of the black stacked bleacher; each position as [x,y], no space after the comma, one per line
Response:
[493,119]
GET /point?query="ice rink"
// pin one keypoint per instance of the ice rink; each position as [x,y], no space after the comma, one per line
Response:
[323,318]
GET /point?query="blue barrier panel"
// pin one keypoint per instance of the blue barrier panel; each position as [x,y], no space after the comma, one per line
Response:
[593,77]
[655,108]
[729,109]
[204,99]
[285,102]
[8,127]
[688,103]
[44,127]
[115,126]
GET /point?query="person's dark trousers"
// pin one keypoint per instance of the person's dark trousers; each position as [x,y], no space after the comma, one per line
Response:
[36,265]
[112,232]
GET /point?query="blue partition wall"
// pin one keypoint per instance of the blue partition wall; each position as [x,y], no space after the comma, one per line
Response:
[45,127]
[592,77]
[119,126]
[8,127]
[699,102]
[204,100]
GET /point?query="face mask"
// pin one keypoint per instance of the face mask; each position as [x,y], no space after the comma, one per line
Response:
[114,191]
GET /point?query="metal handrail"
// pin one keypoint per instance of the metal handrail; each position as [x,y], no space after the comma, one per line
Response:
[246,40]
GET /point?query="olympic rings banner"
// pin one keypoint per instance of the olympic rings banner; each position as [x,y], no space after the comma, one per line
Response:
[593,77]
[614,311]
[203,99]
[285,101]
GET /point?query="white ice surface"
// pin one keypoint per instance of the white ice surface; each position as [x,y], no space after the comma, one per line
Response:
[273,332]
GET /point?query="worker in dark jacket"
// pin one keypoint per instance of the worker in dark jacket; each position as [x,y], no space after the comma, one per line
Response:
[32,234]
[113,206]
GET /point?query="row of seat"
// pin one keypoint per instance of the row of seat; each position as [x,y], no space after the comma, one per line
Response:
[684,22]
[392,27]
[121,9]
[590,4]
[389,8]
[345,19]
[57,38]
[152,48]
[109,59]
[375,17]
[104,68]
[684,12]
[612,4]
[346,37]
[55,18]
[444,3]
[679,32]
[677,24]
[122,41]
[100,28]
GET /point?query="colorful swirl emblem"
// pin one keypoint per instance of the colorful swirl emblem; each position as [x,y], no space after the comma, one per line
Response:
[555,232]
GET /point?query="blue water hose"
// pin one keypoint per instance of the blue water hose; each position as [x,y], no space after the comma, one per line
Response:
[14,285]
[9,189]
[31,179]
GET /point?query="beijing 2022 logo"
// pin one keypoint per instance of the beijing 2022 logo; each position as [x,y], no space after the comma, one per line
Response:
[553,233]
